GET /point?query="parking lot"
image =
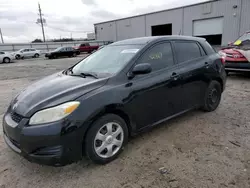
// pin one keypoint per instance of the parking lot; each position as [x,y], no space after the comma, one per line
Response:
[196,150]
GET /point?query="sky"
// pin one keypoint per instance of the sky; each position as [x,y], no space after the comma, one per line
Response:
[70,17]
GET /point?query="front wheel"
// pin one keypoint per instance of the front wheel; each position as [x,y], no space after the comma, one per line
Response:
[36,55]
[17,56]
[6,60]
[106,138]
[212,96]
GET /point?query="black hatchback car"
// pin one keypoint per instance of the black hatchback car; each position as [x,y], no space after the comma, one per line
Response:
[62,52]
[93,107]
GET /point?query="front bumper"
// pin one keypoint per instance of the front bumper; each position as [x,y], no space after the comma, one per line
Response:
[237,66]
[48,144]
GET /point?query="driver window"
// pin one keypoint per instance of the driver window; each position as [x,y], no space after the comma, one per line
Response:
[159,56]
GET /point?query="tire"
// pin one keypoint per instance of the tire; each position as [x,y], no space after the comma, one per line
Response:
[212,96]
[74,55]
[36,55]
[17,56]
[113,144]
[6,60]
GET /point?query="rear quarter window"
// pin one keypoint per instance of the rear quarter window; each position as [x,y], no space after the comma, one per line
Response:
[186,51]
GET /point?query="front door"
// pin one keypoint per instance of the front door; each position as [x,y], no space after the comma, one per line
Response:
[25,53]
[154,96]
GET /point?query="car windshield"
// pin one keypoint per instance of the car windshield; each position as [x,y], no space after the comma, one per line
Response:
[244,37]
[58,49]
[107,61]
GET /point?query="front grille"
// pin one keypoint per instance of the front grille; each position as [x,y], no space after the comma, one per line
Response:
[237,62]
[229,55]
[16,117]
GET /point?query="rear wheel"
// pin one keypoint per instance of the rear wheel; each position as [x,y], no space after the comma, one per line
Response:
[106,138]
[212,96]
[6,60]
[36,55]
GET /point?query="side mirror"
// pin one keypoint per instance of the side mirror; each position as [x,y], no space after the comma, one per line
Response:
[143,68]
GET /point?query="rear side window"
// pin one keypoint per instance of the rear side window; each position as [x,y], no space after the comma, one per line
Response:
[186,51]
[159,56]
[212,48]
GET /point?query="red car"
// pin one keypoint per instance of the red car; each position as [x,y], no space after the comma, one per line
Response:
[86,47]
[233,54]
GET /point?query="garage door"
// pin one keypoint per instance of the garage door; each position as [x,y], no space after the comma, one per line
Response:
[212,26]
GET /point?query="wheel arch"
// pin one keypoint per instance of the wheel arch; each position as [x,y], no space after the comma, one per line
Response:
[220,81]
[110,109]
[117,110]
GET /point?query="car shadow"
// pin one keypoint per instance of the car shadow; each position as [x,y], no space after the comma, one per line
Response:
[237,75]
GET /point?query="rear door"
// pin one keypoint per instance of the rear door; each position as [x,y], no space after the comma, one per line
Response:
[192,61]
[32,52]
[70,51]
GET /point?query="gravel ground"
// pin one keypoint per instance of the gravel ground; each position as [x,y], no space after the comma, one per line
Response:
[195,150]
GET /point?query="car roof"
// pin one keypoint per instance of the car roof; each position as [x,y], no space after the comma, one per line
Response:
[145,40]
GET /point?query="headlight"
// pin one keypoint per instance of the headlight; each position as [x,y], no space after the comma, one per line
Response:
[222,54]
[54,114]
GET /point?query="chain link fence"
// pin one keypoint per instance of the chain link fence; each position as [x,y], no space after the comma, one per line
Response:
[46,46]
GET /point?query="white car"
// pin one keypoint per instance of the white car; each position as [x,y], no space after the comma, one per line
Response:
[27,52]
[6,57]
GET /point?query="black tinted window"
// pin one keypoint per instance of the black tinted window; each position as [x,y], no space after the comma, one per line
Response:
[1,52]
[186,51]
[160,56]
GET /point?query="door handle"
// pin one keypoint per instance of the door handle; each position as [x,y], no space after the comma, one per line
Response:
[207,65]
[175,76]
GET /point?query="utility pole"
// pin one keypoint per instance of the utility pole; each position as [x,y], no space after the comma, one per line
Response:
[41,20]
[1,35]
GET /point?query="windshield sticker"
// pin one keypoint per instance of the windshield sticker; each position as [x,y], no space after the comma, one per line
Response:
[156,55]
[238,42]
[128,51]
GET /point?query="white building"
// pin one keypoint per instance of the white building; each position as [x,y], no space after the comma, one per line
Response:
[219,21]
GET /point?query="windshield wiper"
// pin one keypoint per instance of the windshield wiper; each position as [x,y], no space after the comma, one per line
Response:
[89,74]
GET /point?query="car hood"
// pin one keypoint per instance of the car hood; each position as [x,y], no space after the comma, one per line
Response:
[230,51]
[53,90]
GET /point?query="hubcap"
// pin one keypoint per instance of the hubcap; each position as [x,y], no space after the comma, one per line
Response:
[213,96]
[108,140]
